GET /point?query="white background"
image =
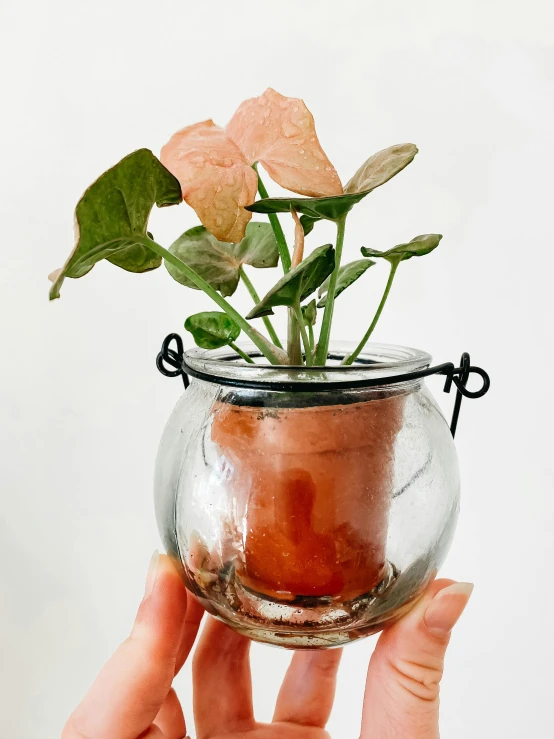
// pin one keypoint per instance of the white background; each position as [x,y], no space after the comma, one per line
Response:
[83,406]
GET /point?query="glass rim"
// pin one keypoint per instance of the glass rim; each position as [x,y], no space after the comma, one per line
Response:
[376,364]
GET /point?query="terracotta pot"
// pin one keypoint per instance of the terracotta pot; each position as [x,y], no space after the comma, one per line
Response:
[313,488]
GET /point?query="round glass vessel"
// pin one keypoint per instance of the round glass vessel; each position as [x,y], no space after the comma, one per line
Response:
[305,513]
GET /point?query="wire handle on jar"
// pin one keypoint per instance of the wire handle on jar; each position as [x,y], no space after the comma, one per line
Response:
[459,376]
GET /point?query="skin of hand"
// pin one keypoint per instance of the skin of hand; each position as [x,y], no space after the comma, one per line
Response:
[132,697]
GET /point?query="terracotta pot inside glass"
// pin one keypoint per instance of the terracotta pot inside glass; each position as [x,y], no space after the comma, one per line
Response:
[307,517]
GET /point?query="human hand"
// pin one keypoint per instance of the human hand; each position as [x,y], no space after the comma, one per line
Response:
[132,697]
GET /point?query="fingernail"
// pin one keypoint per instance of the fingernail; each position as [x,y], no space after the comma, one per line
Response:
[446,608]
[152,573]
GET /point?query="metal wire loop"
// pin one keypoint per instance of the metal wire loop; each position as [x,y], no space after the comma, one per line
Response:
[172,357]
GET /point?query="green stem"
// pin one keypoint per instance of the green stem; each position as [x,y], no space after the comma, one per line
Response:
[363,342]
[293,339]
[311,336]
[256,298]
[325,333]
[276,226]
[257,339]
[301,325]
[239,351]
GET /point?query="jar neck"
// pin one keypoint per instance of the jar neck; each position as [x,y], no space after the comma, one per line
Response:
[379,367]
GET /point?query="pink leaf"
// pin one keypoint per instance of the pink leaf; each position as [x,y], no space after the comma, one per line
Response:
[215,178]
[279,132]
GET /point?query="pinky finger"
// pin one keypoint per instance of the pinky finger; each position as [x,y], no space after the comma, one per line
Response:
[170,718]
[153,733]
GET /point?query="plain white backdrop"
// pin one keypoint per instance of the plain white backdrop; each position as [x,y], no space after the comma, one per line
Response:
[83,407]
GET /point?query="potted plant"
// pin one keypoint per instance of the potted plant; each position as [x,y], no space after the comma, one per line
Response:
[308,490]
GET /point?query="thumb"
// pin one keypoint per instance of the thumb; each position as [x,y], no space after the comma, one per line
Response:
[402,689]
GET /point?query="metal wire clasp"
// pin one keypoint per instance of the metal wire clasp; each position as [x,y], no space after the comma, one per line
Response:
[460,376]
[172,357]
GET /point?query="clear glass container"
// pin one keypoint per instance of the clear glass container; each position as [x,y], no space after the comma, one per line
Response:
[307,517]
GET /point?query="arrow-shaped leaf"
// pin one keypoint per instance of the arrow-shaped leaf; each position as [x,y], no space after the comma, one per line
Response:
[331,208]
[299,283]
[219,262]
[111,218]
[381,167]
[417,247]
[212,330]
[377,170]
[348,274]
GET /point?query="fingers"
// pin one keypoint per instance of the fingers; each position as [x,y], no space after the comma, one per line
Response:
[133,685]
[308,690]
[170,719]
[193,618]
[402,686]
[222,682]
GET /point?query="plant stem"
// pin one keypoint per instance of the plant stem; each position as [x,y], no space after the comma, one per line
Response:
[325,333]
[298,252]
[363,342]
[293,339]
[239,351]
[293,335]
[277,230]
[256,298]
[270,352]
[311,336]
[301,325]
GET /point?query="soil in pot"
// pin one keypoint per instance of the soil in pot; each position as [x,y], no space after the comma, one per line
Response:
[312,489]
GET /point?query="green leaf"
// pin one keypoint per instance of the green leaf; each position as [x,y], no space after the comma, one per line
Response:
[308,223]
[259,246]
[219,262]
[381,167]
[310,312]
[299,283]
[211,329]
[417,247]
[331,208]
[112,216]
[377,170]
[348,274]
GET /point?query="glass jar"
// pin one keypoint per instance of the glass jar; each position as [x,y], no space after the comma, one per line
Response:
[306,508]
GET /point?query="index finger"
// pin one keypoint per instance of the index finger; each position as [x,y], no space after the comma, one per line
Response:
[130,689]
